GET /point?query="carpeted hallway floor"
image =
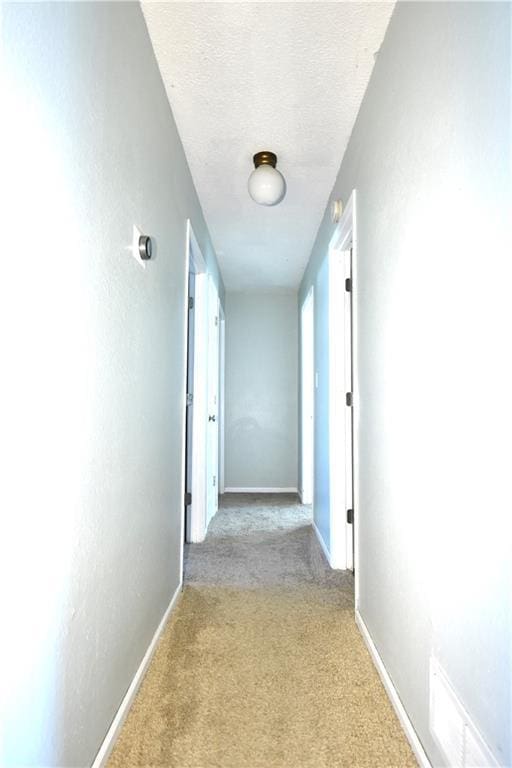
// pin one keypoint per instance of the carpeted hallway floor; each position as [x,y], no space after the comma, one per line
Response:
[261,665]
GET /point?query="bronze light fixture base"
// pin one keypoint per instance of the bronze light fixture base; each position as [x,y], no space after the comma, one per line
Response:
[265,158]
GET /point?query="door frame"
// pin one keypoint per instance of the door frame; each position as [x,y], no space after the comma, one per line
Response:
[213,383]
[222,362]
[344,548]
[195,262]
[308,306]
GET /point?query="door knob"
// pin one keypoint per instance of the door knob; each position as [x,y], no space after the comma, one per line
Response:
[211,418]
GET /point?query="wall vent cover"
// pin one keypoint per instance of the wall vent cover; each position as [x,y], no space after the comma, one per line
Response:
[452,728]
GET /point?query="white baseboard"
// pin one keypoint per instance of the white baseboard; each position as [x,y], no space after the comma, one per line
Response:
[110,739]
[260,490]
[322,543]
[301,495]
[392,693]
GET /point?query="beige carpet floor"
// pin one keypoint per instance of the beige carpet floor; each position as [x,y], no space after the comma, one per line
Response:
[262,675]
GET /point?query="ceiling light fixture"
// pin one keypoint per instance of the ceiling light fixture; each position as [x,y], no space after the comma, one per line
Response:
[266,185]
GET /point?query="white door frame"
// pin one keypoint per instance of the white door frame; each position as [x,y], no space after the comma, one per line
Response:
[197,510]
[342,445]
[212,422]
[222,361]
[307,470]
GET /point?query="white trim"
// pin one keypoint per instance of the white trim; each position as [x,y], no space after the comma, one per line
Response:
[197,510]
[337,454]
[349,429]
[260,490]
[212,407]
[121,714]
[222,389]
[355,397]
[197,261]
[307,315]
[345,232]
[184,398]
[322,542]
[392,693]
[344,236]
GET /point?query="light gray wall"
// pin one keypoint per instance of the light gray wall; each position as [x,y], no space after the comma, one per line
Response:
[430,160]
[261,383]
[94,400]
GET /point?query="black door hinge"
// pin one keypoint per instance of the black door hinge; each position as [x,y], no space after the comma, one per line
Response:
[188,499]
[191,302]
[348,399]
[348,284]
[350,516]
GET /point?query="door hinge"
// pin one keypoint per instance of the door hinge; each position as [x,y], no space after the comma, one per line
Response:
[348,399]
[350,516]
[190,398]
[188,499]
[214,481]
[348,284]
[216,320]
[191,302]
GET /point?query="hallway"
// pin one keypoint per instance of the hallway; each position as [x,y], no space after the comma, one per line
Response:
[261,664]
[256,252]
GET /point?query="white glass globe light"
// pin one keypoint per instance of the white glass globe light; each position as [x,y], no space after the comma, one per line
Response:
[266,185]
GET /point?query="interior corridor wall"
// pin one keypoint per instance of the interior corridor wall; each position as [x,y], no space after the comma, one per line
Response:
[93,406]
[430,158]
[261,381]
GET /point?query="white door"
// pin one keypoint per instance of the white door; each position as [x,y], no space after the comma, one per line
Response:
[340,410]
[308,394]
[189,418]
[196,435]
[349,413]
[342,383]
[222,358]
[212,439]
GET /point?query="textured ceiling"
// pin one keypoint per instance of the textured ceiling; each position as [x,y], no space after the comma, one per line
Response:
[288,77]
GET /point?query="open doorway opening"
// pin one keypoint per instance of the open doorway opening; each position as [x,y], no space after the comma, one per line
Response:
[189,413]
[342,391]
[202,386]
[307,398]
[212,424]
[222,366]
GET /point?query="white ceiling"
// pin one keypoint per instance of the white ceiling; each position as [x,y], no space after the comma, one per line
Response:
[242,77]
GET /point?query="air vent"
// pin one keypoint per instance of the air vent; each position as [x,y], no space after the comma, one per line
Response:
[446,722]
[452,728]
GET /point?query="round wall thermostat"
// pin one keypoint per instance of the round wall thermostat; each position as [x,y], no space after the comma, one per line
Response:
[336,211]
[145,247]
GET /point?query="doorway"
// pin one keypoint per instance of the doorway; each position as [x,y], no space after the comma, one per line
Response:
[307,398]
[212,438]
[342,392]
[201,396]
[189,405]
[222,359]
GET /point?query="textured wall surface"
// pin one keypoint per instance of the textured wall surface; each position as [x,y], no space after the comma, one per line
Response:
[261,390]
[430,159]
[242,77]
[93,410]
